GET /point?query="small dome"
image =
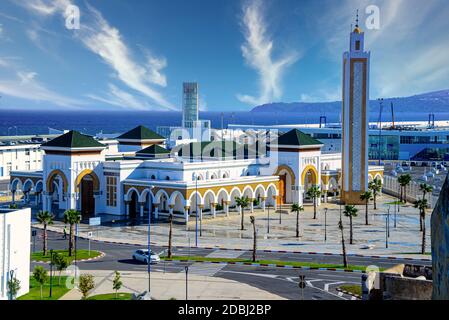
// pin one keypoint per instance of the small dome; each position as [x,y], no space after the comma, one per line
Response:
[358,30]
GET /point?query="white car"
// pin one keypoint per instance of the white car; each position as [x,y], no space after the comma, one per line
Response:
[142,255]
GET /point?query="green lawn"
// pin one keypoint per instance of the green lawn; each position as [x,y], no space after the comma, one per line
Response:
[111,296]
[35,292]
[277,262]
[355,289]
[80,255]
[395,203]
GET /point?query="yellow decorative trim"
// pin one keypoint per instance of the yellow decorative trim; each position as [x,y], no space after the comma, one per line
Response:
[314,176]
[289,170]
[51,177]
[87,172]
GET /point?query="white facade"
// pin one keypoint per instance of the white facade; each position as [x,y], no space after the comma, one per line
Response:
[15,229]
[26,157]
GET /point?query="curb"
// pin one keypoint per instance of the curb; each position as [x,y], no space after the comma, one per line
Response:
[265,265]
[349,293]
[266,251]
[102,255]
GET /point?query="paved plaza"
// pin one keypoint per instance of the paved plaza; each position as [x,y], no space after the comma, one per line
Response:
[167,286]
[404,240]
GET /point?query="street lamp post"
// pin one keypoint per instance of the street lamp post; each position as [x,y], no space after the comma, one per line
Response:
[196,212]
[388,219]
[187,282]
[149,246]
[51,272]
[386,231]
[268,220]
[325,224]
[280,211]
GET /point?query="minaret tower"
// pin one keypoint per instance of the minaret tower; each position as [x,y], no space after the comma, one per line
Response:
[356,68]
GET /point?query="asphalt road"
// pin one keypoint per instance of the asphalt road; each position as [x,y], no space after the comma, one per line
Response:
[321,285]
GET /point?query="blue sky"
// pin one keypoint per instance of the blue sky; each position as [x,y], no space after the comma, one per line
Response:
[134,55]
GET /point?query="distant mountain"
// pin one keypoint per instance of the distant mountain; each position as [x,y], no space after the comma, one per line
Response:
[437,101]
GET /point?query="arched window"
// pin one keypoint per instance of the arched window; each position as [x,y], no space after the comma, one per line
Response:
[153,177]
[167,178]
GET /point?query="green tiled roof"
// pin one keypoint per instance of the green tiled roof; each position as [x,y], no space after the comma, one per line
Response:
[141,133]
[297,138]
[153,149]
[73,139]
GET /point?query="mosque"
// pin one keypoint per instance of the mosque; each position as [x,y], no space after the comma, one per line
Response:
[135,175]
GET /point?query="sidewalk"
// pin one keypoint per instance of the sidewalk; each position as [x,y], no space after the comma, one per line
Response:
[404,240]
[165,286]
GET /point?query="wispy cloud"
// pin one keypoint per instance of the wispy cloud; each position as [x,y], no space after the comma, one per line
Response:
[258,54]
[26,86]
[106,41]
[120,98]
[45,7]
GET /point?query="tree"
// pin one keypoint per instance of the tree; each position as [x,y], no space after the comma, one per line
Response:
[366,196]
[61,263]
[253,222]
[376,187]
[242,202]
[41,276]
[45,218]
[421,205]
[72,217]
[86,283]
[404,180]
[425,188]
[314,193]
[13,287]
[117,283]
[350,211]
[297,208]
[345,258]
[170,235]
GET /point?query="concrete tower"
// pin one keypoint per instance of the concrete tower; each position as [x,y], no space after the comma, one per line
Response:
[356,69]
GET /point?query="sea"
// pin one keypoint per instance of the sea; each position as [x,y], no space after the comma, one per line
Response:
[21,122]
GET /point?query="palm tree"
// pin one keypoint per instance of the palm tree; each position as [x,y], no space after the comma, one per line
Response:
[366,196]
[425,188]
[345,258]
[170,235]
[376,187]
[350,211]
[314,193]
[45,218]
[422,206]
[72,217]
[253,222]
[242,202]
[40,275]
[297,208]
[404,180]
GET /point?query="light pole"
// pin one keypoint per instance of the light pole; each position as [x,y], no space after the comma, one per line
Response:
[149,244]
[187,282]
[388,219]
[268,220]
[196,212]
[386,231]
[280,211]
[51,271]
[325,224]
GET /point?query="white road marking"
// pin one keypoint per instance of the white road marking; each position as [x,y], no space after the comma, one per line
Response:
[326,286]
